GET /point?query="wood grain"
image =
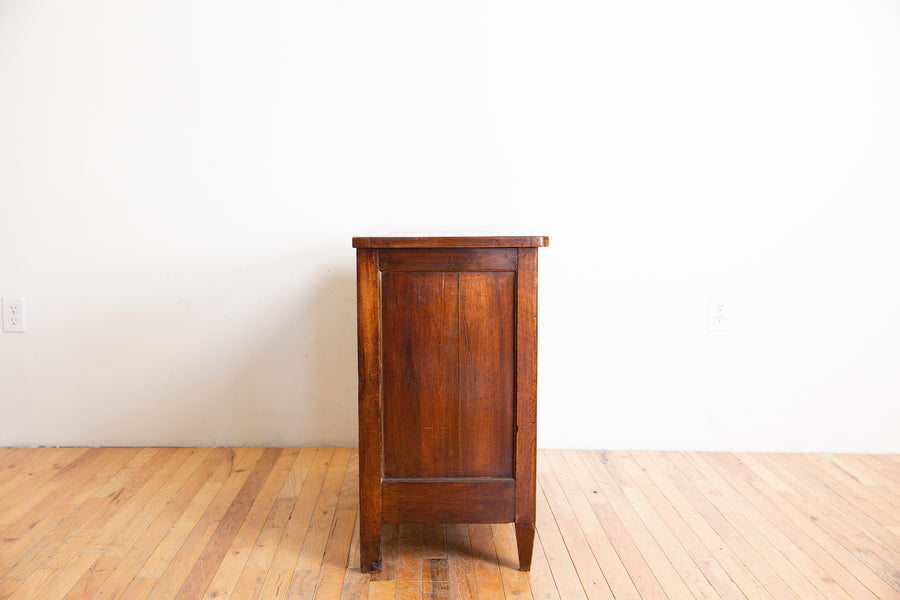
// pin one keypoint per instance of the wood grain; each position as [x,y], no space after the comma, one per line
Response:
[448,259]
[420,354]
[455,396]
[526,392]
[228,525]
[368,318]
[161,523]
[486,401]
[451,242]
[448,501]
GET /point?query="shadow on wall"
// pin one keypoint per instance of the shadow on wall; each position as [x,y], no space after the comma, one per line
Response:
[298,386]
[261,355]
[332,361]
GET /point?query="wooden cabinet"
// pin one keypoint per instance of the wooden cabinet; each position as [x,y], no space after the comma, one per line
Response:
[447,332]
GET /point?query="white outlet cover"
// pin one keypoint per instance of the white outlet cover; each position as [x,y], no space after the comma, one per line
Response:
[718,317]
[14,315]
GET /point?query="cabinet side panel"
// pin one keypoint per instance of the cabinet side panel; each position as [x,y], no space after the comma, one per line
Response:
[420,357]
[486,373]
[526,385]
[369,341]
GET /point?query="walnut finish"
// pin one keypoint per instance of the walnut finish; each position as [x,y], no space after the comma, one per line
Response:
[447,331]
[451,242]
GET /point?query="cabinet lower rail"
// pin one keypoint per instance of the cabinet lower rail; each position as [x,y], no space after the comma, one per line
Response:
[448,500]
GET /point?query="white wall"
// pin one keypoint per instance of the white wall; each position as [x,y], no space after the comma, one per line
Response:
[179,182]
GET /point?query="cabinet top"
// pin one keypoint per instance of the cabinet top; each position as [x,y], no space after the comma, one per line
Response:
[532,241]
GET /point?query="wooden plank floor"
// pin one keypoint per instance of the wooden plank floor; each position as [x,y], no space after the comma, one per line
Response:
[271,524]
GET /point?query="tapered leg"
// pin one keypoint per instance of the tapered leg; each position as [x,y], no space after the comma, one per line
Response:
[370,557]
[525,542]
[526,403]
[368,337]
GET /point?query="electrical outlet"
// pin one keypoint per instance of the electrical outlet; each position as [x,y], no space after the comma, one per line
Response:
[717,317]
[14,315]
